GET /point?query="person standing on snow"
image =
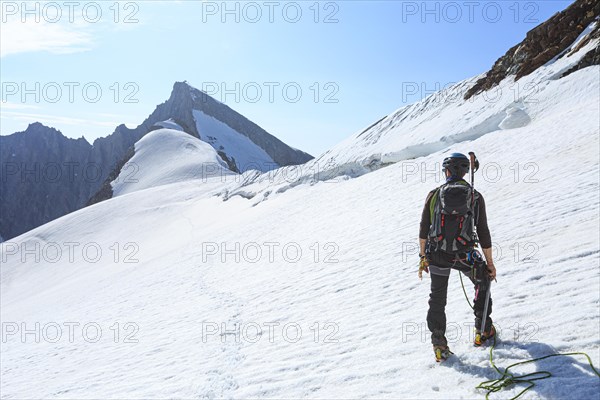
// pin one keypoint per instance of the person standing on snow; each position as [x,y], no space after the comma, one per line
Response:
[447,241]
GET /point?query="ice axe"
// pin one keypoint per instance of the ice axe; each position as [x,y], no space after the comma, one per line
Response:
[486,304]
[474,167]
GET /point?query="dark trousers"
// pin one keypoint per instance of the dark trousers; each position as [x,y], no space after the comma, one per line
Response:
[436,316]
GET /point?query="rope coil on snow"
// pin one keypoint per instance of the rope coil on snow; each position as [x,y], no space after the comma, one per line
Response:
[506,378]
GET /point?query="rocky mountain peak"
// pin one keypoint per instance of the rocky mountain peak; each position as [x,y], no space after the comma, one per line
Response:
[39,129]
[38,132]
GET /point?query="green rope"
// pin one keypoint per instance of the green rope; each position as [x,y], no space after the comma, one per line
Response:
[506,378]
[464,291]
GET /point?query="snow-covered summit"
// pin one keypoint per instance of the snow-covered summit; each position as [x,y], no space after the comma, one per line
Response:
[167,156]
[187,106]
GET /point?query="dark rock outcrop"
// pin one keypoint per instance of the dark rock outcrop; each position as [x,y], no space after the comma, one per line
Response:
[542,44]
[106,192]
[40,177]
[592,57]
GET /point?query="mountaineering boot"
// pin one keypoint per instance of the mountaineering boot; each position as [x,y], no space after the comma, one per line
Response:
[482,338]
[441,353]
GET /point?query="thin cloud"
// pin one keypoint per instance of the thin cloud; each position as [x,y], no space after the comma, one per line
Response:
[71,33]
[18,37]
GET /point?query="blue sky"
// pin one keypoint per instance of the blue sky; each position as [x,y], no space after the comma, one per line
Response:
[311,73]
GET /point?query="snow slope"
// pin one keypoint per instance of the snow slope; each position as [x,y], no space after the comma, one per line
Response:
[245,154]
[167,156]
[444,117]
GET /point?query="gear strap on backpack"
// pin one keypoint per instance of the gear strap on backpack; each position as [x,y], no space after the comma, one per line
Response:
[452,218]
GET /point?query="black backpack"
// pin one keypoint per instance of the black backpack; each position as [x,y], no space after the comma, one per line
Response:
[452,218]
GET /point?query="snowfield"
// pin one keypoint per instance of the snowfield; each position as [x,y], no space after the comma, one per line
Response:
[306,286]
